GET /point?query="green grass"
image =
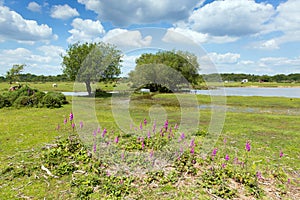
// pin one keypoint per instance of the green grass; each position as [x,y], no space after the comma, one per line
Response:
[25,131]
[65,86]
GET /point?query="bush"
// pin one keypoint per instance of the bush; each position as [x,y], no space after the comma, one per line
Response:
[23,101]
[51,100]
[4,102]
[101,93]
[28,97]
[37,99]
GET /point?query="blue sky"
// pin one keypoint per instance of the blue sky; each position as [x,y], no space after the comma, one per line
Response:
[236,36]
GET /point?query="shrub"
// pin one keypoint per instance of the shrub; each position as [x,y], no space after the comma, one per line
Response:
[50,100]
[37,99]
[23,101]
[101,93]
[28,97]
[4,102]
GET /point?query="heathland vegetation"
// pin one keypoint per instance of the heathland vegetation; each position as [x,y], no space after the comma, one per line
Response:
[255,155]
[55,154]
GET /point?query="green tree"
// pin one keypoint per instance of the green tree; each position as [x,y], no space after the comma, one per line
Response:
[90,62]
[156,76]
[182,61]
[14,73]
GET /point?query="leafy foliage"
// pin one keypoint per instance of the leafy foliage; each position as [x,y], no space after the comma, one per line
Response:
[28,97]
[14,73]
[90,62]
[168,69]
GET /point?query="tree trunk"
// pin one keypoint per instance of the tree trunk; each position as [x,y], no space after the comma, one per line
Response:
[88,87]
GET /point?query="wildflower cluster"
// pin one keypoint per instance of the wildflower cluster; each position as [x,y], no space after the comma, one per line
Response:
[143,147]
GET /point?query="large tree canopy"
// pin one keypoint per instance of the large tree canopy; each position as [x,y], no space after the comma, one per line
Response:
[89,62]
[166,68]
[184,62]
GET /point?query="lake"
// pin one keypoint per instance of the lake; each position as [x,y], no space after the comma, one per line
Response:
[234,91]
[252,91]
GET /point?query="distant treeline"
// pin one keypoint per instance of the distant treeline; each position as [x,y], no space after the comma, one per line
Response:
[37,78]
[280,78]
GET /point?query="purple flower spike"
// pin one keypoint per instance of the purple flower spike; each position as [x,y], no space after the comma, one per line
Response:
[258,175]
[71,116]
[192,150]
[225,141]
[154,127]
[141,126]
[94,133]
[166,125]
[192,144]
[143,145]
[214,153]
[95,148]
[80,124]
[248,146]
[65,120]
[104,132]
[73,125]
[281,154]
[182,136]
[176,127]
[181,150]
[98,130]
[227,157]
[149,135]
[117,140]
[145,121]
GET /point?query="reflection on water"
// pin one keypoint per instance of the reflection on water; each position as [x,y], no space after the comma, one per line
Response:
[247,91]
[75,93]
[241,109]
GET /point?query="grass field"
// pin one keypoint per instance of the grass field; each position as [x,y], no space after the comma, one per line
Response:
[264,122]
[69,86]
[61,86]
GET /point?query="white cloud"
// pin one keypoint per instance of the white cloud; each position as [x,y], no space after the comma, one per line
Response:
[34,7]
[85,31]
[128,63]
[181,35]
[51,50]
[288,18]
[232,63]
[45,60]
[287,22]
[13,26]
[127,12]
[232,18]
[63,12]
[218,63]
[125,38]
[271,44]
[279,61]
[227,58]
[246,62]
